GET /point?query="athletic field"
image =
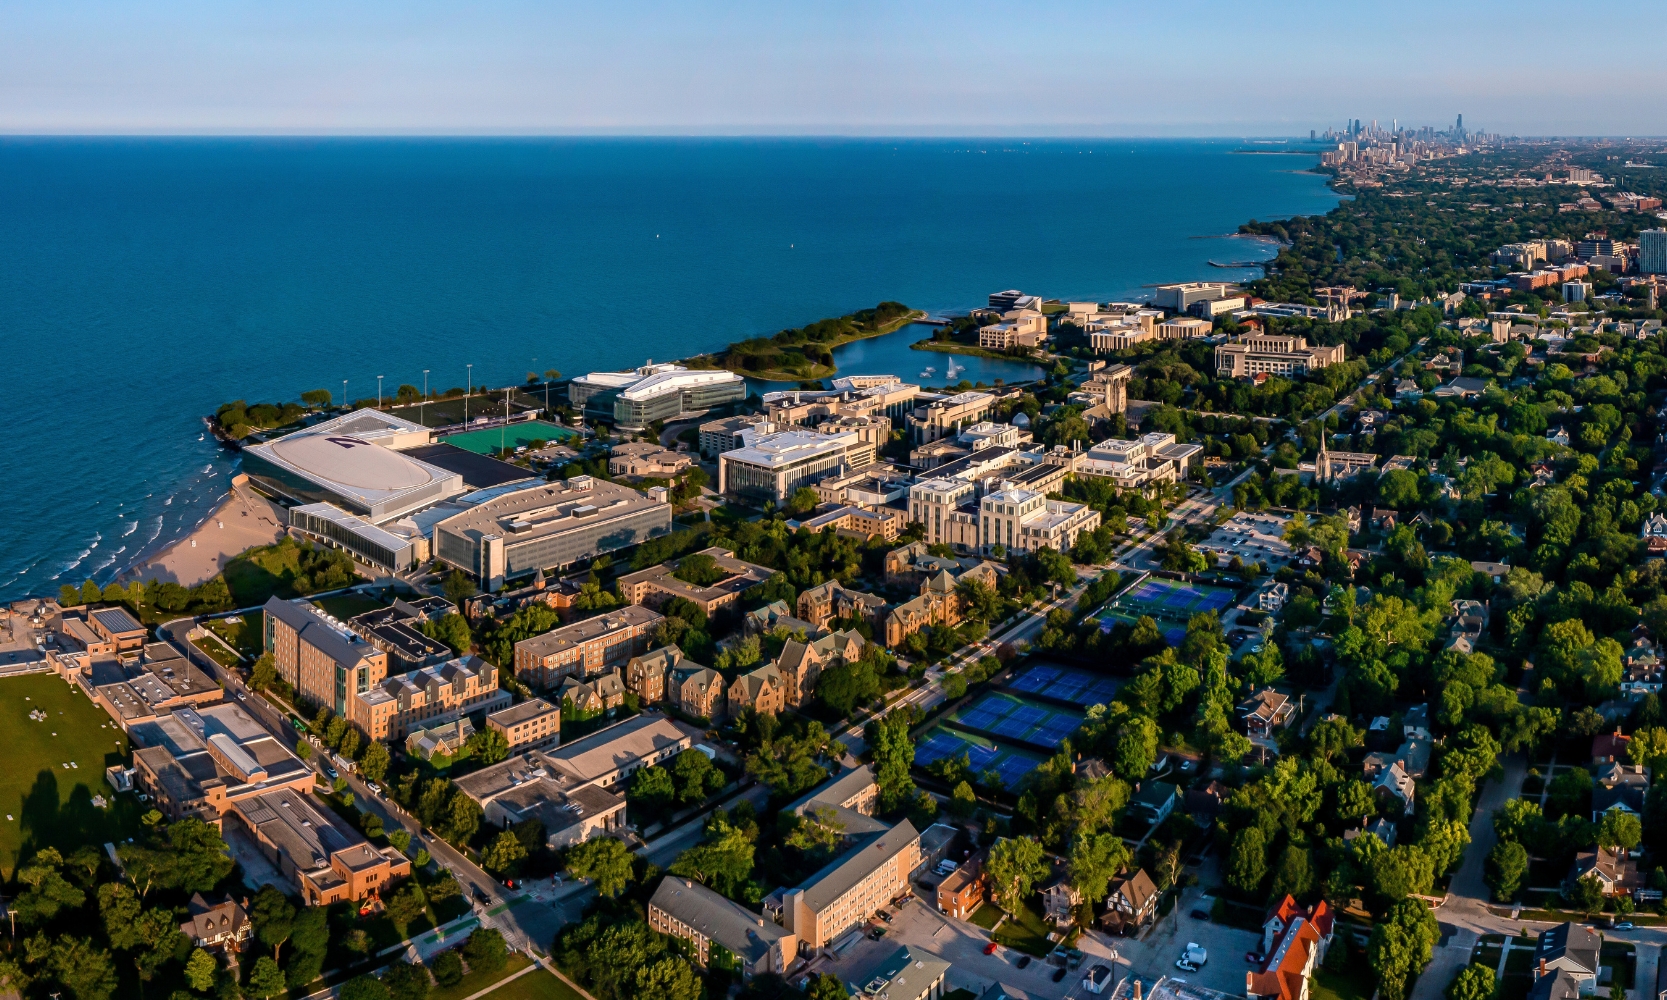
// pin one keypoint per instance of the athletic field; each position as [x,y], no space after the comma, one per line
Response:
[55,767]
[511,437]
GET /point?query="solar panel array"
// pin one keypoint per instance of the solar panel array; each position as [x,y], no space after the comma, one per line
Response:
[1076,687]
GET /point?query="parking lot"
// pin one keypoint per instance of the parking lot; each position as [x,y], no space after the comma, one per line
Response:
[1155,954]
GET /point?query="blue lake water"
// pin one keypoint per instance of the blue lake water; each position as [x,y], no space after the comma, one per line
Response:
[145,281]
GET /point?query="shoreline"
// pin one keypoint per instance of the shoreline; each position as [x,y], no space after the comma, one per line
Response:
[709,358]
[240,521]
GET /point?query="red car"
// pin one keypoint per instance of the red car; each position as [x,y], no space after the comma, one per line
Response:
[990,949]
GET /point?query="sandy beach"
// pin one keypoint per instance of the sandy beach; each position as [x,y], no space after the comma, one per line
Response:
[241,521]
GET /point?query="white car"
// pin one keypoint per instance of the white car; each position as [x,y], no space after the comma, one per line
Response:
[1185,966]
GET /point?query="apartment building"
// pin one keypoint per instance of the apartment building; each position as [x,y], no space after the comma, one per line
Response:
[654,586]
[801,663]
[945,416]
[1024,520]
[585,648]
[683,908]
[763,690]
[871,869]
[428,697]
[1255,354]
[934,502]
[531,724]
[771,466]
[829,601]
[324,660]
[696,690]
[1141,463]
[645,675]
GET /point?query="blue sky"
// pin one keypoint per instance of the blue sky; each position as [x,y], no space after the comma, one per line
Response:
[1170,67]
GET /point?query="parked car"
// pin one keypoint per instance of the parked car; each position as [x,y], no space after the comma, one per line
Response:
[374,787]
[1058,974]
[1185,966]
[1254,957]
[990,949]
[331,772]
[1024,961]
[1625,925]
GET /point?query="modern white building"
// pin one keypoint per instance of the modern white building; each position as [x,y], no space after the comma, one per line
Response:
[1022,520]
[1140,463]
[633,399]
[769,467]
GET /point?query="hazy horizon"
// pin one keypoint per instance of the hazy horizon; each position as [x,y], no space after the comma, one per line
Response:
[1062,69]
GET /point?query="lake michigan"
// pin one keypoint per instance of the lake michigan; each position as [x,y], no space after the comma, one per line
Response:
[145,281]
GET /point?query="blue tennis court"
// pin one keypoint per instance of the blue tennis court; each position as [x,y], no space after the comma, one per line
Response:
[1172,633]
[1021,721]
[1064,684]
[942,743]
[1171,598]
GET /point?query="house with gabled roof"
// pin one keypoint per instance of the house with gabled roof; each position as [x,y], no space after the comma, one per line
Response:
[1572,949]
[1295,942]
[761,690]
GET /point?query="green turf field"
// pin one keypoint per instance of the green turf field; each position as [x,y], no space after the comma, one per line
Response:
[41,801]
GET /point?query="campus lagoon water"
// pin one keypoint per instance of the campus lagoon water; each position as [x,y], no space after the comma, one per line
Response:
[178,274]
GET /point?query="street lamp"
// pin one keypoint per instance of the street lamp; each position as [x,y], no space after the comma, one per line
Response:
[468,391]
[379,392]
[344,394]
[423,408]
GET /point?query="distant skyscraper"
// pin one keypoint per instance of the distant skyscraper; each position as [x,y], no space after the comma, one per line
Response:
[1460,126]
[1652,251]
[1310,135]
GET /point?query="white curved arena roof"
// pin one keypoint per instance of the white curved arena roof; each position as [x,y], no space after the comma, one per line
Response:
[380,482]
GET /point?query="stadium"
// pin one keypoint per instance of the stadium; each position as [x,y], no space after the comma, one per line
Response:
[352,463]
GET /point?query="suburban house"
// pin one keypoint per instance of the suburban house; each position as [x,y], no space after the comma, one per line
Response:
[1570,949]
[1394,783]
[962,890]
[1613,867]
[1132,903]
[223,926]
[1619,786]
[1153,801]
[1610,747]
[443,739]
[684,908]
[1295,942]
[1266,712]
[1060,901]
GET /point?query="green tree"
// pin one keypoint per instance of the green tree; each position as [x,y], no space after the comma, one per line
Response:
[817,830]
[406,981]
[1015,865]
[722,863]
[1473,982]
[264,673]
[447,968]
[1585,895]
[1400,946]
[458,588]
[363,987]
[373,763]
[273,916]
[1506,868]
[1136,748]
[504,855]
[1294,874]
[652,787]
[605,862]
[1247,861]
[1095,860]
[671,978]
[267,980]
[963,801]
[488,746]
[407,904]
[826,986]
[894,755]
[83,968]
[1620,829]
[200,969]
[47,892]
[695,776]
[485,949]
[802,502]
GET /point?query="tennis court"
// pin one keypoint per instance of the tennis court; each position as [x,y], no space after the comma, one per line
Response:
[1011,718]
[1158,597]
[941,743]
[512,436]
[1064,684]
[1171,632]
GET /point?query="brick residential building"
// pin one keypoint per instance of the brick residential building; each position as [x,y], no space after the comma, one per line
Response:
[654,586]
[531,724]
[683,908]
[586,648]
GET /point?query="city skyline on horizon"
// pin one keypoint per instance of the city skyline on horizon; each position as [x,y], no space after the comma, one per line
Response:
[1062,69]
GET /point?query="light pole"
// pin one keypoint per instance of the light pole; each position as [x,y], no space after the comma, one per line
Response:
[344,394]
[379,392]
[423,408]
[468,391]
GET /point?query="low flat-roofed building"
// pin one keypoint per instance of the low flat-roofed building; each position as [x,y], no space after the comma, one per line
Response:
[719,436]
[118,628]
[396,633]
[575,789]
[945,416]
[684,908]
[428,697]
[1258,354]
[654,586]
[200,763]
[392,548]
[856,521]
[79,634]
[769,467]
[328,861]
[529,725]
[547,526]
[647,458]
[585,648]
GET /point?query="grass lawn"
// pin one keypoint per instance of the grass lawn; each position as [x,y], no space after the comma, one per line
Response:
[244,635]
[41,801]
[1515,986]
[474,982]
[345,606]
[537,985]
[216,652]
[1356,984]
[986,916]
[1026,931]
